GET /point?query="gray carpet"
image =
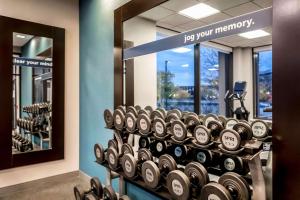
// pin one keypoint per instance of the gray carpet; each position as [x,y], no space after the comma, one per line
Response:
[55,188]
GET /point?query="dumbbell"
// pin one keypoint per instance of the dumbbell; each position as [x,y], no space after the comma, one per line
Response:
[144,123]
[114,158]
[130,122]
[149,109]
[230,123]
[119,118]
[109,193]
[260,129]
[108,118]
[182,185]
[158,113]
[204,135]
[161,126]
[231,139]
[153,174]
[176,112]
[100,152]
[159,147]
[145,142]
[203,156]
[230,163]
[209,117]
[180,153]
[222,119]
[96,190]
[231,186]
[131,165]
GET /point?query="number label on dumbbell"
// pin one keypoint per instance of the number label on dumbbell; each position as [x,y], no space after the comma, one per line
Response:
[159,128]
[213,197]
[128,166]
[111,159]
[178,152]
[149,175]
[229,164]
[202,136]
[178,132]
[143,124]
[259,129]
[159,147]
[118,119]
[177,187]
[201,157]
[229,140]
[129,122]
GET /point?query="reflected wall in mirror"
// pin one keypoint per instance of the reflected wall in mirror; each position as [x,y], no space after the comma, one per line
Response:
[32,93]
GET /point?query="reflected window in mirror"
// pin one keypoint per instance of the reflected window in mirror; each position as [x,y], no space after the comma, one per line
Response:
[32,93]
[263,74]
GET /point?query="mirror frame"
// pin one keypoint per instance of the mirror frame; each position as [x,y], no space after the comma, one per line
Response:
[7,27]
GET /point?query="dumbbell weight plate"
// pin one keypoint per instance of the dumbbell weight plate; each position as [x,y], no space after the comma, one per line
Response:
[198,173]
[113,143]
[78,192]
[150,174]
[129,165]
[237,183]
[96,186]
[179,151]
[109,193]
[215,191]
[99,153]
[159,127]
[137,107]
[158,147]
[192,120]
[130,122]
[230,139]
[178,185]
[167,161]
[108,118]
[144,124]
[171,118]
[127,148]
[149,109]
[144,154]
[178,130]
[124,197]
[144,142]
[204,157]
[259,128]
[231,164]
[222,119]
[243,127]
[132,110]
[112,158]
[209,117]
[202,135]
[163,111]
[175,111]
[119,119]
[230,123]
[216,127]
[156,114]
[122,108]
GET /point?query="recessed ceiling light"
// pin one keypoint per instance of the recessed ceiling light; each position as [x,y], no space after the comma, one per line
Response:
[181,50]
[254,34]
[199,11]
[185,65]
[21,36]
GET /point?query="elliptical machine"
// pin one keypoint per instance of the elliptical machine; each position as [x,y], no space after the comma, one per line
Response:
[239,93]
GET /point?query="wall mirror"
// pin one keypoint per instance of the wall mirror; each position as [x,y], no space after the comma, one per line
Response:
[32,60]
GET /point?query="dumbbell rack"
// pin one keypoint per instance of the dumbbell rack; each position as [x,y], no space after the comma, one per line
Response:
[251,156]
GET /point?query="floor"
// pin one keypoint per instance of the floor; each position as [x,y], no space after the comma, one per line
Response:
[54,188]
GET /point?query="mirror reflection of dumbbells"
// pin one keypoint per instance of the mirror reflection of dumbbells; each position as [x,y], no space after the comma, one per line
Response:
[97,192]
[154,175]
[233,139]
[132,166]
[21,144]
[187,183]
[230,186]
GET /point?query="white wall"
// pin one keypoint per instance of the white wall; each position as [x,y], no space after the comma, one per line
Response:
[243,71]
[63,14]
[141,31]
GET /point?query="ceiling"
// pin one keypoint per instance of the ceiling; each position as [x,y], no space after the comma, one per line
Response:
[19,42]
[166,16]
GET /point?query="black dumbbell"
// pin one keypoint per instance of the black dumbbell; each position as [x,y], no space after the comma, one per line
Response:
[230,163]
[95,190]
[182,185]
[161,126]
[205,135]
[159,147]
[180,153]
[261,129]
[230,186]
[203,156]
[131,165]
[154,174]
[231,139]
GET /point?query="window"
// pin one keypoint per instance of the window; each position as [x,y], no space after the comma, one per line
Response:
[175,78]
[263,69]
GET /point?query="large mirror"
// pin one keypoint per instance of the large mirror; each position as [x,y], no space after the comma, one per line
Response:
[32,93]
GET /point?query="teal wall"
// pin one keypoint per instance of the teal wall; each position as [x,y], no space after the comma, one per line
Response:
[96,85]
